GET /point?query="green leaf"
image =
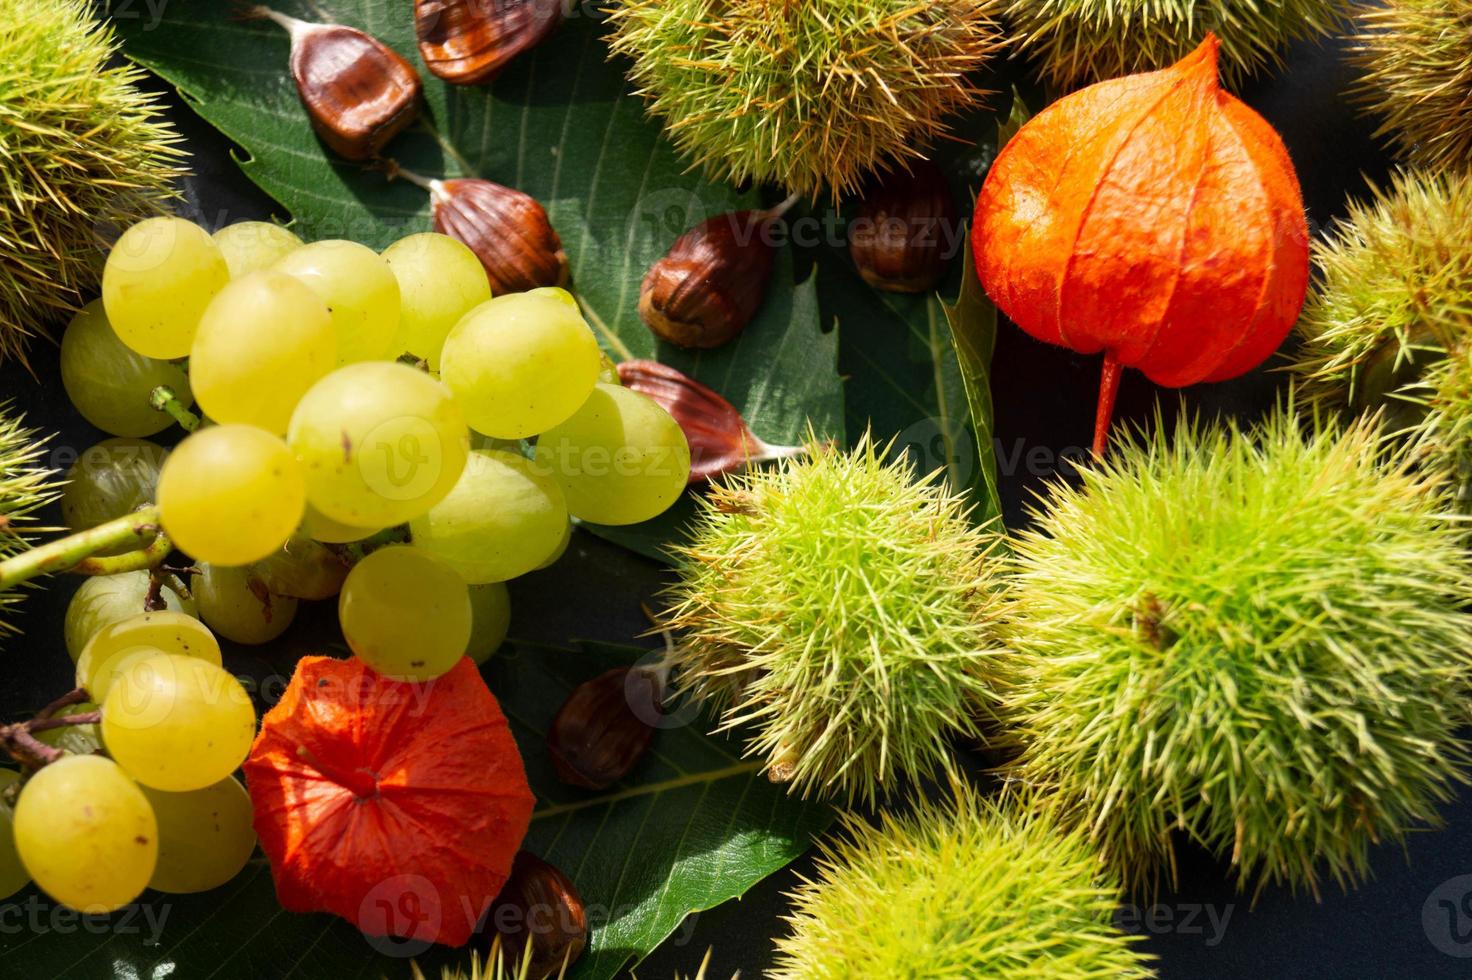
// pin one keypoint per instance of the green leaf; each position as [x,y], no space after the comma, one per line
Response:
[693,826]
[917,368]
[972,323]
[698,826]
[561,124]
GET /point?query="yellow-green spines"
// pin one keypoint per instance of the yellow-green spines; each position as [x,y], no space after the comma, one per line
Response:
[839,610]
[1253,640]
[1417,61]
[809,96]
[970,888]
[80,147]
[1389,325]
[26,485]
[1077,42]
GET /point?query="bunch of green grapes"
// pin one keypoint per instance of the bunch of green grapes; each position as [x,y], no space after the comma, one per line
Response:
[146,797]
[342,390]
[375,428]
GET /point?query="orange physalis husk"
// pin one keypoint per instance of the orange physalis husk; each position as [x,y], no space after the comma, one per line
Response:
[1154,217]
[398,806]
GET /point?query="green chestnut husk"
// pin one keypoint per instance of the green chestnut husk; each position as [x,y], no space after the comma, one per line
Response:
[837,611]
[964,888]
[1388,326]
[1256,641]
[1417,77]
[1078,42]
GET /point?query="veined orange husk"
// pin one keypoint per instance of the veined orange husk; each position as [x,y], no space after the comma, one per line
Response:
[1153,217]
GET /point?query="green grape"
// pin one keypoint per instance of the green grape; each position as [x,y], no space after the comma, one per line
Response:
[262,342]
[86,833]
[113,478]
[503,519]
[109,382]
[177,723]
[13,874]
[561,548]
[521,363]
[105,599]
[490,619]
[230,494]
[359,289]
[107,654]
[302,569]
[158,279]
[405,613]
[103,672]
[440,280]
[76,739]
[319,527]
[237,605]
[204,836]
[250,246]
[620,460]
[380,443]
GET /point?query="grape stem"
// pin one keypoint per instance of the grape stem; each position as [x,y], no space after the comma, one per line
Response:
[26,748]
[46,724]
[75,696]
[140,527]
[19,739]
[131,561]
[165,399]
[165,577]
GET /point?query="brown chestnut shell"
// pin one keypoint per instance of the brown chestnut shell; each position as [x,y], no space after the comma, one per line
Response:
[358,92]
[540,906]
[468,42]
[604,727]
[902,237]
[711,282]
[507,230]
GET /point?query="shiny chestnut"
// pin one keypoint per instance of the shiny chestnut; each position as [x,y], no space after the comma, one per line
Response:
[710,284]
[358,92]
[540,908]
[719,437]
[468,42]
[904,233]
[605,726]
[507,230]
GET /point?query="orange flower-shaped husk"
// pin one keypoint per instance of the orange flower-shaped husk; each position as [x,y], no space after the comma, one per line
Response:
[398,806]
[1153,217]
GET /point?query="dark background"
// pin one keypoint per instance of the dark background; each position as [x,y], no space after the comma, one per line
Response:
[1044,401]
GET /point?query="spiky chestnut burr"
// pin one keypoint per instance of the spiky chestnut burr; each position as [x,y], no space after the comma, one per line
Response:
[81,147]
[1256,641]
[1417,61]
[26,485]
[809,96]
[1389,325]
[841,608]
[969,888]
[1077,42]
